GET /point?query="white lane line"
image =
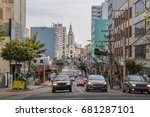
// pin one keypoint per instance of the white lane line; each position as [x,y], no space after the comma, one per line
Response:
[79,90]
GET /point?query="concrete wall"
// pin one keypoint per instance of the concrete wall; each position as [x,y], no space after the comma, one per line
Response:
[4,65]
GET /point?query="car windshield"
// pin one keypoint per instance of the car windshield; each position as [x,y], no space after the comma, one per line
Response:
[62,78]
[136,78]
[96,77]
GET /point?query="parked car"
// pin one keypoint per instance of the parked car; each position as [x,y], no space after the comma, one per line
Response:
[136,83]
[61,82]
[96,82]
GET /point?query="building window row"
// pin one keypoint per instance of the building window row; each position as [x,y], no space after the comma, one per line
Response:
[139,7]
[123,17]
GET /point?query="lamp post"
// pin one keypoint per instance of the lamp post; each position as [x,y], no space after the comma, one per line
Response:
[44,71]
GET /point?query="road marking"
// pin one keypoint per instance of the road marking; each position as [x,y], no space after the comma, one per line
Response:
[79,90]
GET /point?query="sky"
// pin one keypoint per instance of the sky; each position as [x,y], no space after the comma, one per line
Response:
[75,12]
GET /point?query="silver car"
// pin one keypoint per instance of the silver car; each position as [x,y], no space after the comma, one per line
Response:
[136,83]
[96,82]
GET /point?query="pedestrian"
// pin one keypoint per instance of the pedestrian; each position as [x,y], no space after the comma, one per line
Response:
[49,76]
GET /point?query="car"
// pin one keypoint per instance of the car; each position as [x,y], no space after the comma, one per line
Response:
[136,83]
[96,82]
[61,82]
[80,82]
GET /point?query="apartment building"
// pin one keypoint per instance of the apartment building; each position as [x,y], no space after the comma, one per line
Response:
[131,32]
[61,40]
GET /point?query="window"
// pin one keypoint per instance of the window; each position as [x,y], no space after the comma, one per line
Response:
[139,7]
[148,3]
[130,31]
[10,1]
[7,1]
[129,51]
[140,28]
[41,61]
[130,12]
[1,13]
[140,51]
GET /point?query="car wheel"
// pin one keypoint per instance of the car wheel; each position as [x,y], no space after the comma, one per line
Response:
[105,90]
[129,90]
[53,91]
[70,90]
[124,90]
[87,90]
[148,92]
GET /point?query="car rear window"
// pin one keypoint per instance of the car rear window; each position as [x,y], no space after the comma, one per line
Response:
[62,78]
[96,77]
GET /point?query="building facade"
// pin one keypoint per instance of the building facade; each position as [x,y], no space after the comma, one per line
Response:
[61,41]
[46,35]
[16,11]
[12,16]
[71,43]
[131,33]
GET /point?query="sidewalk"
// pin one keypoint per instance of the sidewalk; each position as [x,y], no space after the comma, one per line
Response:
[32,89]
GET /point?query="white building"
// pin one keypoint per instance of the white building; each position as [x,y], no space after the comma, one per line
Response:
[71,43]
[61,40]
[42,60]
[100,12]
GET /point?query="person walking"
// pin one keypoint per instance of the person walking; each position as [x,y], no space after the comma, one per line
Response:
[49,76]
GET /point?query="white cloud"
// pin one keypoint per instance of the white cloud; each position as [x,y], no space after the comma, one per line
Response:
[45,12]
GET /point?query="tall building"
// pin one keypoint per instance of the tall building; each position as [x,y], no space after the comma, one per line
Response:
[46,35]
[16,11]
[99,12]
[61,40]
[96,12]
[71,43]
[99,17]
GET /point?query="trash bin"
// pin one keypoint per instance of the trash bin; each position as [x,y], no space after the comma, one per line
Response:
[25,82]
[21,83]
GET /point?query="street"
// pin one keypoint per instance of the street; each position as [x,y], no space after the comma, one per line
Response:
[79,93]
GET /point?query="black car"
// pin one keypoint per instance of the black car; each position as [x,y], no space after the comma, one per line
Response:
[61,82]
[136,83]
[96,82]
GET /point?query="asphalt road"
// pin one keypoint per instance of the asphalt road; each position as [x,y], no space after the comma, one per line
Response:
[79,93]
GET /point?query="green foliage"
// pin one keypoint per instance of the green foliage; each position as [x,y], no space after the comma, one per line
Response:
[133,67]
[60,62]
[18,51]
[36,45]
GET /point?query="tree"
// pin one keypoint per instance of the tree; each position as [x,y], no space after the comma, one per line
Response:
[133,67]
[37,46]
[17,52]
